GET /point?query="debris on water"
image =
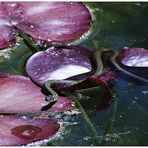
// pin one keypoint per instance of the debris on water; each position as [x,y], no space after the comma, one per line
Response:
[44,142]
[107,137]
[6,53]
[145,92]
[72,112]
[81,96]
[86,138]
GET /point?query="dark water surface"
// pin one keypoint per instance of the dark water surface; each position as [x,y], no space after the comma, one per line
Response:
[125,121]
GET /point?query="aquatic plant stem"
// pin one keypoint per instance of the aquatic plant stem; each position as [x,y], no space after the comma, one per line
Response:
[87,119]
[112,116]
[29,42]
[98,63]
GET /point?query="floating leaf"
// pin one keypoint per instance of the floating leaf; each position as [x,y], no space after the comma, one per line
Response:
[16,131]
[59,63]
[20,95]
[132,61]
[133,57]
[7,31]
[57,23]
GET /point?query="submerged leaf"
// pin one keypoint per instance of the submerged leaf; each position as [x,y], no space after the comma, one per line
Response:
[16,131]
[20,95]
[93,93]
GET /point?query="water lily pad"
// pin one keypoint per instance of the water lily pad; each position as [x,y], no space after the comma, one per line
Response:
[20,95]
[59,63]
[133,60]
[133,57]
[57,23]
[21,131]
[7,37]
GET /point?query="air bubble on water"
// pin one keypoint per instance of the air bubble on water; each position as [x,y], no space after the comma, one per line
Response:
[98,9]
[113,21]
[86,138]
[138,4]
[134,102]
[136,98]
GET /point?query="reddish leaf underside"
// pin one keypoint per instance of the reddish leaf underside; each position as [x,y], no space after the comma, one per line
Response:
[19,95]
[18,131]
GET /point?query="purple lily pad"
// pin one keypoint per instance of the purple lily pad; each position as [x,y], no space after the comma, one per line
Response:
[59,63]
[54,22]
[133,57]
[16,131]
[7,31]
[135,61]
[20,95]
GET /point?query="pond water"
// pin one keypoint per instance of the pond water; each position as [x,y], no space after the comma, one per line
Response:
[125,121]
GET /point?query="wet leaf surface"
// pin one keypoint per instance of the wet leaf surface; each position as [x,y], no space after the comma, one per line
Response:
[133,57]
[124,121]
[59,63]
[20,95]
[66,22]
[22,131]
[7,37]
[133,60]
